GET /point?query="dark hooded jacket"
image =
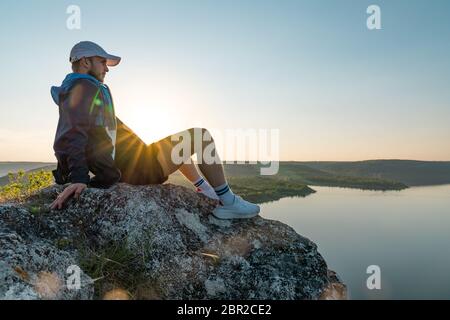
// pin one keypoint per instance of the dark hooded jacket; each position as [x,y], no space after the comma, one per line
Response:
[83,141]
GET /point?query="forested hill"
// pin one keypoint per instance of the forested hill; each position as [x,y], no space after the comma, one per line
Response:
[370,174]
[409,172]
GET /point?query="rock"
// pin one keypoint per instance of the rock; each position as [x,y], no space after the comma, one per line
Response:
[153,242]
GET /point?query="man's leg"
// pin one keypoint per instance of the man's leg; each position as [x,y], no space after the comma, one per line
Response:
[189,170]
[214,172]
[234,206]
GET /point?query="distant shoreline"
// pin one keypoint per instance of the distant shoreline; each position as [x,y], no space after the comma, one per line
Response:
[382,174]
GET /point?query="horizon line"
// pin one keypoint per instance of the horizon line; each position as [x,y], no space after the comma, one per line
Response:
[247,161]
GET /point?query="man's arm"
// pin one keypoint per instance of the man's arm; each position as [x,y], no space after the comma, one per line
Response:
[75,110]
[75,189]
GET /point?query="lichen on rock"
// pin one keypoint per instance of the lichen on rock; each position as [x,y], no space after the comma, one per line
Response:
[153,242]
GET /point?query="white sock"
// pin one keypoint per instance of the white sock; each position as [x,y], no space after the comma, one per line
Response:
[204,187]
[225,194]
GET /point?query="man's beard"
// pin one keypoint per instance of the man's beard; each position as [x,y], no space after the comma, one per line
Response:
[95,76]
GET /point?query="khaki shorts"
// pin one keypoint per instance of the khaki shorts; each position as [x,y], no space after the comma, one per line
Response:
[136,160]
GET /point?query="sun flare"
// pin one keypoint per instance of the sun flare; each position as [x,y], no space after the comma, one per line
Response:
[150,124]
[159,106]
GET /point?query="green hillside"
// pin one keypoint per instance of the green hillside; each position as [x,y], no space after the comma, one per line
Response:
[256,188]
[296,173]
[301,173]
[37,167]
[294,178]
[371,174]
[6,167]
[409,172]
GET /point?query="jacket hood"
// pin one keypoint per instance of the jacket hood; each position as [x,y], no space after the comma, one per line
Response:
[68,83]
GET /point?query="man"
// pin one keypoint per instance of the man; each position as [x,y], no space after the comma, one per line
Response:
[90,138]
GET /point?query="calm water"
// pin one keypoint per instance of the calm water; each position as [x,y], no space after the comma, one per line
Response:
[406,233]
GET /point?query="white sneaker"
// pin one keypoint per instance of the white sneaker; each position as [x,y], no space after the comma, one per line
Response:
[239,209]
[210,193]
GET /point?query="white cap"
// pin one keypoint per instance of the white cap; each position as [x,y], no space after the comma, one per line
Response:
[87,49]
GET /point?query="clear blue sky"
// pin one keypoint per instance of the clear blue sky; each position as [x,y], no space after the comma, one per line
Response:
[312,69]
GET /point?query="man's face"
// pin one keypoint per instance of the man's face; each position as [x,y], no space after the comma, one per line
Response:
[98,68]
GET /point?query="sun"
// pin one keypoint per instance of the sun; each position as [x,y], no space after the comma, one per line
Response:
[151,123]
[161,104]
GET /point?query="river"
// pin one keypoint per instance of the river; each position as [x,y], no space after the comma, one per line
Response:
[405,233]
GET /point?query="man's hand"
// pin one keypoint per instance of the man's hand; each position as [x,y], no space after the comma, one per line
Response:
[75,189]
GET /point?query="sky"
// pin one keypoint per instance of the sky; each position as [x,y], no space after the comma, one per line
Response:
[312,69]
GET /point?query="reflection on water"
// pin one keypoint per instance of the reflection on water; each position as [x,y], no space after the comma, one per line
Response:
[406,233]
